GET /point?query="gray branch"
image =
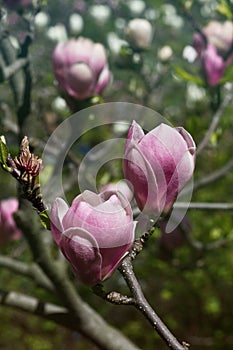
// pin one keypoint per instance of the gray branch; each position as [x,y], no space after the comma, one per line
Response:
[32,305]
[216,175]
[204,205]
[88,321]
[8,71]
[32,271]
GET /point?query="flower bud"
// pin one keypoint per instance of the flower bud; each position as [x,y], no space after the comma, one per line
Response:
[80,67]
[220,35]
[8,228]
[76,23]
[213,65]
[94,234]
[165,53]
[158,165]
[139,33]
[214,54]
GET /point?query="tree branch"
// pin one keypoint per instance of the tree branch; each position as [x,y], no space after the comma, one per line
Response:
[204,205]
[143,306]
[214,176]
[200,246]
[32,271]
[88,322]
[215,121]
[32,305]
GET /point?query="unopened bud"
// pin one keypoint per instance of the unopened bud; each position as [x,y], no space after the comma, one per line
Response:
[139,33]
[165,53]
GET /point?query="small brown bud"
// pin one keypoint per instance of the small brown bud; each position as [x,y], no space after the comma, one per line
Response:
[26,162]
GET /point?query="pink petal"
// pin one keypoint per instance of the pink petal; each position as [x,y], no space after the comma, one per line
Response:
[81,249]
[103,80]
[97,58]
[58,211]
[213,65]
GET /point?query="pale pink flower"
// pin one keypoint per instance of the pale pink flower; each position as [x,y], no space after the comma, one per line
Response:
[80,67]
[94,234]
[158,165]
[8,228]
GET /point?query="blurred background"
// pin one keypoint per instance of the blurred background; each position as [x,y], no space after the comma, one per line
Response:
[187,275]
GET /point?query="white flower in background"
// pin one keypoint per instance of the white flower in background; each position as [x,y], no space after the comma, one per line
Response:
[151,14]
[100,13]
[41,20]
[59,104]
[120,24]
[165,53]
[139,33]
[120,128]
[115,43]
[189,53]
[136,7]
[75,23]
[57,33]
[170,16]
[194,94]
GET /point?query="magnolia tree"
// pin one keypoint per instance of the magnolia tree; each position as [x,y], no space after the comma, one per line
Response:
[92,175]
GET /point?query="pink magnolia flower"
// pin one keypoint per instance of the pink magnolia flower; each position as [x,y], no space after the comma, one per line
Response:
[158,165]
[214,54]
[8,228]
[80,67]
[94,234]
[17,4]
[220,35]
[213,64]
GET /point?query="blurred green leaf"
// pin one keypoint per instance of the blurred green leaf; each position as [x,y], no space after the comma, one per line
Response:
[3,153]
[228,75]
[45,220]
[184,75]
[225,8]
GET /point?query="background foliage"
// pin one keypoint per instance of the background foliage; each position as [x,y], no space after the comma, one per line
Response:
[190,289]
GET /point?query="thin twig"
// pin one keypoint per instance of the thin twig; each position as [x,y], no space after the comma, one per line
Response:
[200,246]
[191,20]
[143,306]
[215,121]
[112,297]
[216,175]
[204,205]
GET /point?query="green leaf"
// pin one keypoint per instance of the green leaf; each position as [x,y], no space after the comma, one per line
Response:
[228,75]
[45,220]
[3,153]
[225,9]
[184,75]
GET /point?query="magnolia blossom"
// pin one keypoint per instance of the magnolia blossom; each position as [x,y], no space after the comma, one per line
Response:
[158,165]
[215,54]
[8,228]
[213,64]
[80,67]
[94,234]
